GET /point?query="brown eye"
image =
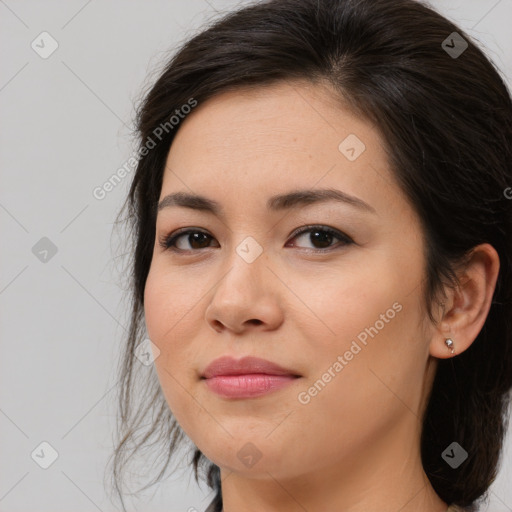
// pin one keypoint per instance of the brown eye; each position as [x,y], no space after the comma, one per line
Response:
[321,237]
[195,240]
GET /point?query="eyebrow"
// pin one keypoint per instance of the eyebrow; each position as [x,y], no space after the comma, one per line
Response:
[293,199]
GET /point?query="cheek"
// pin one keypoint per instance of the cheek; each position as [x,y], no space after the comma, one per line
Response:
[370,316]
[171,309]
[363,379]
[340,303]
[376,383]
[169,302]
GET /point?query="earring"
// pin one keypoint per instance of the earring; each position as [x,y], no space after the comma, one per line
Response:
[449,343]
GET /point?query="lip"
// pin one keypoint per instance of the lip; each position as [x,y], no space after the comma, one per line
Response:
[227,365]
[248,377]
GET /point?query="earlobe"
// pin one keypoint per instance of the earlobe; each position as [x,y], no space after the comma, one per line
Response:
[463,320]
[444,347]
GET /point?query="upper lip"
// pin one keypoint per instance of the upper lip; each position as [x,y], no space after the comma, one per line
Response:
[227,365]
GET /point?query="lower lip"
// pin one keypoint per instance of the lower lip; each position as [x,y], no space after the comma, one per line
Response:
[248,385]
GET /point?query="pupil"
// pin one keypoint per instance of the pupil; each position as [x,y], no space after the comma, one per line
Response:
[196,237]
[323,237]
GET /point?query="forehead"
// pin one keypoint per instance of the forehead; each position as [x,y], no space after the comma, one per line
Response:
[291,116]
[260,141]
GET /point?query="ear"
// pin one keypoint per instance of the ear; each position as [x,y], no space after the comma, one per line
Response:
[467,306]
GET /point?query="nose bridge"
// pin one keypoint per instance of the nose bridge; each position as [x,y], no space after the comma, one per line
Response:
[250,250]
[246,263]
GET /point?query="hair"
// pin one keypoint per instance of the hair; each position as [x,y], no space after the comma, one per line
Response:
[446,123]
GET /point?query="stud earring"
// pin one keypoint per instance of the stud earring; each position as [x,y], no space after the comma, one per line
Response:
[449,343]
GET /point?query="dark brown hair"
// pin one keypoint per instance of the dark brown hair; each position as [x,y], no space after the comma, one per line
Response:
[447,125]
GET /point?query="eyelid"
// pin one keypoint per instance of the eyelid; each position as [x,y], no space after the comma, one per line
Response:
[321,227]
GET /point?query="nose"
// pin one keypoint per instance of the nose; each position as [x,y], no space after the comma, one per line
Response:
[246,298]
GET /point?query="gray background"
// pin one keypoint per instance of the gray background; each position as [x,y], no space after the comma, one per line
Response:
[65,130]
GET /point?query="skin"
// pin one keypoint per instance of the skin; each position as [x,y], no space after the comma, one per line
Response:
[355,446]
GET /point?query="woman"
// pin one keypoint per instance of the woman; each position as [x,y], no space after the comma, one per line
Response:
[321,221]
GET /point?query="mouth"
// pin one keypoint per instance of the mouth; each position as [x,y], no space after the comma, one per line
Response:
[248,377]
[248,385]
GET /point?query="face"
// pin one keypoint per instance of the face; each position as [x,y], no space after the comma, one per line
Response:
[328,289]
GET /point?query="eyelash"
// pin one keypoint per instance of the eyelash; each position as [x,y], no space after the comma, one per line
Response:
[168,242]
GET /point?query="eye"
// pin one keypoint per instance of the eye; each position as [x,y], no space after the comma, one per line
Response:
[197,240]
[321,236]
